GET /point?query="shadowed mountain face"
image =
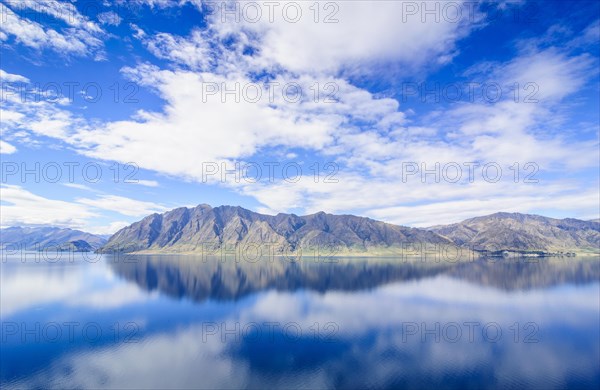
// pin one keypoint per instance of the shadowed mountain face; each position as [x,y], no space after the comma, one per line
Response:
[198,280]
[191,230]
[42,238]
[513,231]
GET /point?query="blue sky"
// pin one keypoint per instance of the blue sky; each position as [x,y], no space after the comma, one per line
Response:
[341,106]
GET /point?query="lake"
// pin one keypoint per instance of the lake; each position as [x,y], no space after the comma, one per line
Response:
[167,321]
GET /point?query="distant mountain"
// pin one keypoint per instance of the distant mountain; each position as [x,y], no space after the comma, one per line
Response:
[524,232]
[41,238]
[197,229]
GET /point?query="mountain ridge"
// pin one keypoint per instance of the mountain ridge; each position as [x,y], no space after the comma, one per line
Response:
[186,229]
[204,228]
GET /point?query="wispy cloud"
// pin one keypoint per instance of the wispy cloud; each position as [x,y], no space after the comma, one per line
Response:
[122,205]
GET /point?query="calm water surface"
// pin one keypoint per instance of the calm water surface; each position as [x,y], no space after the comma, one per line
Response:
[186,322]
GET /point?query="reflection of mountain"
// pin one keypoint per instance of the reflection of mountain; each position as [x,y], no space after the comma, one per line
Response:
[197,280]
[192,278]
[528,273]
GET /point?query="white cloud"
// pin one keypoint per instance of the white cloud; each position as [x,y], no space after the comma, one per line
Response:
[81,38]
[64,11]
[197,128]
[109,18]
[21,207]
[6,148]
[11,116]
[147,183]
[452,211]
[109,229]
[368,136]
[12,78]
[193,51]
[39,113]
[123,205]
[349,35]
[82,187]
[159,3]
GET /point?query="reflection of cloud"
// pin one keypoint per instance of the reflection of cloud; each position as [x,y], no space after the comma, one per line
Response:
[432,300]
[27,289]
[89,285]
[370,349]
[180,360]
[119,295]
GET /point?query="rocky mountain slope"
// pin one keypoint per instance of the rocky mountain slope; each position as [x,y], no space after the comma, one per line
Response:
[197,229]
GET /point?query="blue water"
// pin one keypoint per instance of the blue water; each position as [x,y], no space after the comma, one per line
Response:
[185,322]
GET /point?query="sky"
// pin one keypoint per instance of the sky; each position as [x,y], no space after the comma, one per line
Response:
[414,113]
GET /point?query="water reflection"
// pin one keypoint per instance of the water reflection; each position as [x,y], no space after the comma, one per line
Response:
[358,323]
[212,278]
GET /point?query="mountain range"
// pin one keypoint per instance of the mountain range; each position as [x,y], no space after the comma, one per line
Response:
[204,229]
